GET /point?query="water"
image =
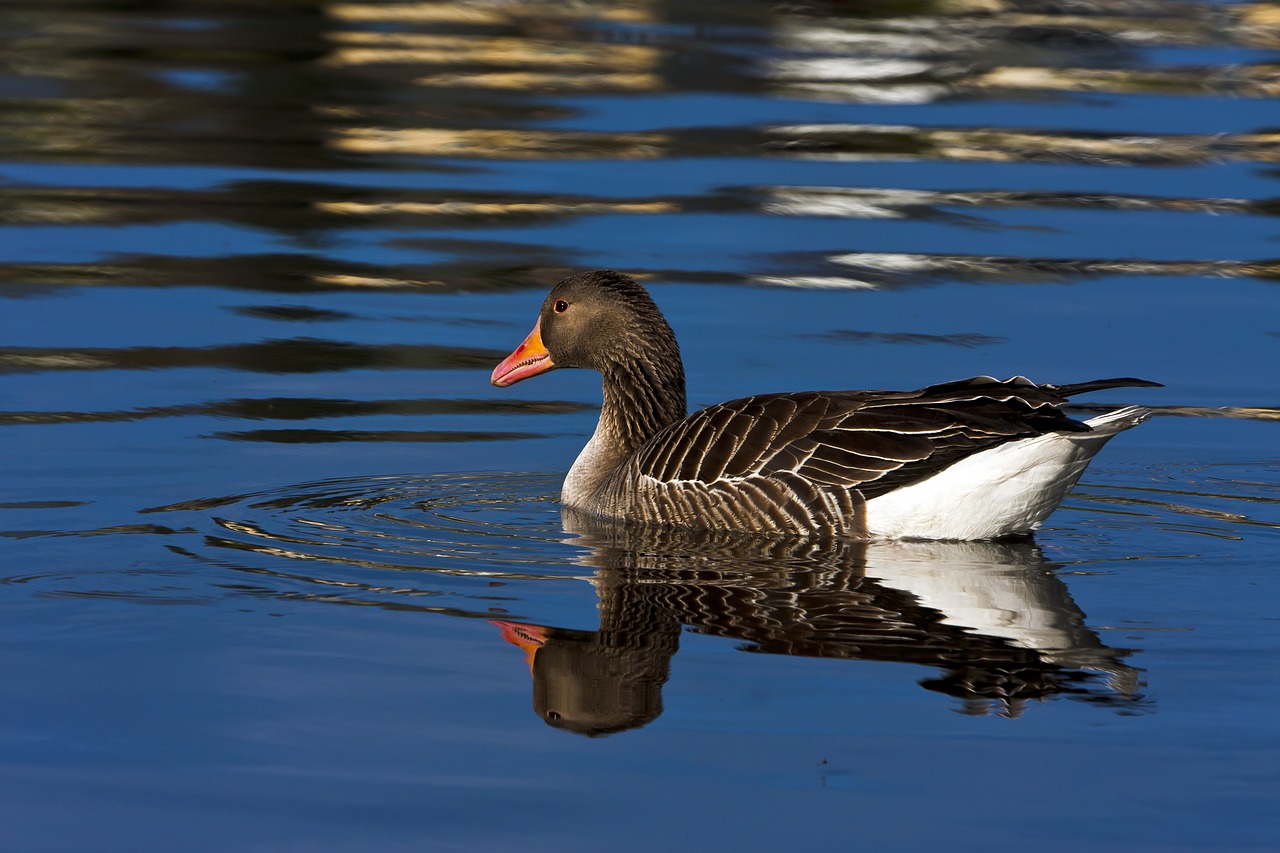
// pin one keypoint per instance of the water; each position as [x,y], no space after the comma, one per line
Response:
[256,262]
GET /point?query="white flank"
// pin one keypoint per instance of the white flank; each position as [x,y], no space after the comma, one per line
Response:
[1005,491]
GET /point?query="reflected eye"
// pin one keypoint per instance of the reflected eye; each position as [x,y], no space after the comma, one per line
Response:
[561,306]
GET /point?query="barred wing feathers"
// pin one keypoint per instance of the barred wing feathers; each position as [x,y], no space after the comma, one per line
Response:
[809,461]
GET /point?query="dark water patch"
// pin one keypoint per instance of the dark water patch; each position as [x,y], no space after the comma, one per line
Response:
[293,313]
[40,504]
[299,207]
[114,530]
[291,273]
[295,355]
[301,408]
[969,340]
[327,436]
[160,595]
[278,205]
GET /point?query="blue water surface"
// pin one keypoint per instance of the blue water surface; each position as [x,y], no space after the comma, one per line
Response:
[280,570]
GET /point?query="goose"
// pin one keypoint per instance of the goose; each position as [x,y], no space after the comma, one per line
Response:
[972,459]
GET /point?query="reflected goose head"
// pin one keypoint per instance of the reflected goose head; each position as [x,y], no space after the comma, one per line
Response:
[601,320]
[592,688]
[597,683]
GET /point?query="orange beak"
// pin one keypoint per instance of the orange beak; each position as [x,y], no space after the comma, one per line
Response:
[529,359]
[528,637]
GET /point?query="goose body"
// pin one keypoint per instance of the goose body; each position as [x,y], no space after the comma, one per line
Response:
[978,458]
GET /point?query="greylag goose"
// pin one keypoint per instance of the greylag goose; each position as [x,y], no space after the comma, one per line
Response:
[976,458]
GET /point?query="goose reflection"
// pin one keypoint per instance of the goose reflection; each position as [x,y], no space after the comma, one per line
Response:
[993,617]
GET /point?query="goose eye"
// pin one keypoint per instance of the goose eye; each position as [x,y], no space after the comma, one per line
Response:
[561,306]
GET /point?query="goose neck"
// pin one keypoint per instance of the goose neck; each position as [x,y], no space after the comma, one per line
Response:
[639,401]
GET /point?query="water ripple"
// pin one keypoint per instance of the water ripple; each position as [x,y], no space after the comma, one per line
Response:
[1220,500]
[471,526]
[992,616]
[995,618]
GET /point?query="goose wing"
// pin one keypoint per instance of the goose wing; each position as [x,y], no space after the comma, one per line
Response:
[871,442]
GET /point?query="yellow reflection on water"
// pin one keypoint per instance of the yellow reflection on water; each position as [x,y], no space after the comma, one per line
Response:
[496,13]
[503,144]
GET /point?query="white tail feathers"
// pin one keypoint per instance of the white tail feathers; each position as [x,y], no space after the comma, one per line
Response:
[1118,421]
[1005,491]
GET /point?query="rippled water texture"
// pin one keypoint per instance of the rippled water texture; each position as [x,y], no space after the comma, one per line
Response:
[280,570]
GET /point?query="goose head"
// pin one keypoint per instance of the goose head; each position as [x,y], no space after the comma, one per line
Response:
[601,320]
